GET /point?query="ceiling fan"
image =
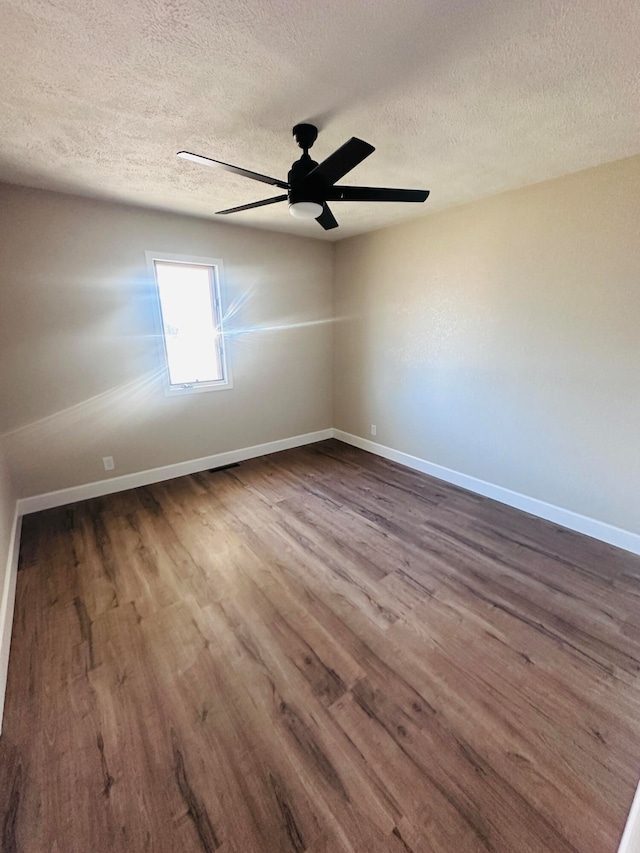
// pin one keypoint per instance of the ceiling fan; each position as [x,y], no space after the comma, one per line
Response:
[311,185]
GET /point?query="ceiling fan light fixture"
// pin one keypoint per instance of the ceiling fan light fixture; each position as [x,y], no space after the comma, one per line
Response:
[305,209]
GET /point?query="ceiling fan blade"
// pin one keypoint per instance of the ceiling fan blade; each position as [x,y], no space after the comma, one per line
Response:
[327,219]
[375,194]
[236,170]
[343,160]
[253,204]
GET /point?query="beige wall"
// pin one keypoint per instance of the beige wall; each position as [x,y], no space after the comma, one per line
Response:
[499,339]
[79,362]
[502,339]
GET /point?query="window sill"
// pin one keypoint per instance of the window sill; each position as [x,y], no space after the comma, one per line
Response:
[179,390]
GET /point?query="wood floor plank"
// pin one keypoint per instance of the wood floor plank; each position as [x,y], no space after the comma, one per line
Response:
[319,651]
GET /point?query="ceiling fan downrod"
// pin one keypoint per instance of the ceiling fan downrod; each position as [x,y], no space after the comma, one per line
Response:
[305,198]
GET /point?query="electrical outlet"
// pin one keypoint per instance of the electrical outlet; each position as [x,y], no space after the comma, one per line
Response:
[374,429]
[108,463]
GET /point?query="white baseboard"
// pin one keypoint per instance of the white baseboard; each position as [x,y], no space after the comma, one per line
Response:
[166,472]
[7,606]
[563,517]
[630,842]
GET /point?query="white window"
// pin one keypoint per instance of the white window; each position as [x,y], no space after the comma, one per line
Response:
[191,316]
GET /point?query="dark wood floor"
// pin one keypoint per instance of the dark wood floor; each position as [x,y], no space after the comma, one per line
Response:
[318,651]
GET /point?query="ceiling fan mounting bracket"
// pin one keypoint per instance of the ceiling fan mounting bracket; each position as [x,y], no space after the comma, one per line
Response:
[305,135]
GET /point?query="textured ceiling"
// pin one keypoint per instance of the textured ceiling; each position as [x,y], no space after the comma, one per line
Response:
[463,97]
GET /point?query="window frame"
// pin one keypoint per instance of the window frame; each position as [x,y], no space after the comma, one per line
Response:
[216,285]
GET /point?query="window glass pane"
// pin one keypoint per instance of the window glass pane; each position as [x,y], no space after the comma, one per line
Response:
[188,317]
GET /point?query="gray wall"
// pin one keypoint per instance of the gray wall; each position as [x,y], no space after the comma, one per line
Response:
[502,339]
[79,361]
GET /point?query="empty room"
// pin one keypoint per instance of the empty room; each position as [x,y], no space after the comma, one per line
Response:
[320,427]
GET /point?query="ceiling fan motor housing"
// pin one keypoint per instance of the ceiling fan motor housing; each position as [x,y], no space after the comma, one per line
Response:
[300,189]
